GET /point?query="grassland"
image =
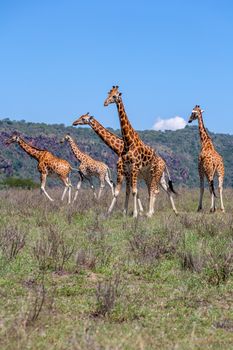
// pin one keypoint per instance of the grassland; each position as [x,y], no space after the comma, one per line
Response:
[72,278]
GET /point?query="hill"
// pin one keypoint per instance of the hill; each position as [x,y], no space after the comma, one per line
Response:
[179,148]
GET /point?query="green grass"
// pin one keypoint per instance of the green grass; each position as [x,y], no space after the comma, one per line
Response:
[73,278]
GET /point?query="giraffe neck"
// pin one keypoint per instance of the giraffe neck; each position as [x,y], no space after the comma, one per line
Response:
[111,140]
[203,132]
[78,154]
[128,133]
[32,151]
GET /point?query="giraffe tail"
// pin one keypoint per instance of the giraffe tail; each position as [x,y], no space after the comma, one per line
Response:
[170,183]
[110,176]
[212,189]
[80,173]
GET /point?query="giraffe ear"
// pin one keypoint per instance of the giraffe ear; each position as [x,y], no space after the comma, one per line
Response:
[202,111]
[120,93]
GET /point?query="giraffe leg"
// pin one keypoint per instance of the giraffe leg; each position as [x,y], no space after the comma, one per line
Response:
[69,191]
[201,172]
[220,173]
[67,184]
[151,205]
[64,192]
[127,194]
[164,186]
[102,185]
[134,178]
[202,188]
[220,181]
[153,188]
[77,189]
[92,187]
[120,177]
[110,183]
[69,195]
[212,208]
[153,193]
[43,183]
[140,205]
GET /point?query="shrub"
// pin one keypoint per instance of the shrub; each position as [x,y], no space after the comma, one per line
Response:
[12,240]
[107,293]
[85,259]
[20,183]
[51,250]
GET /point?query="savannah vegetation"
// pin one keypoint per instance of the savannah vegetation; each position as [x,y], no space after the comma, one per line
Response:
[73,278]
[179,148]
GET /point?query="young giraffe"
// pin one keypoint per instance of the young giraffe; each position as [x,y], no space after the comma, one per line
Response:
[47,164]
[117,145]
[90,167]
[138,158]
[209,162]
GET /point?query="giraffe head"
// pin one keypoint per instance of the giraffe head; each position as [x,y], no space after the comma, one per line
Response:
[13,138]
[113,96]
[67,137]
[196,112]
[85,119]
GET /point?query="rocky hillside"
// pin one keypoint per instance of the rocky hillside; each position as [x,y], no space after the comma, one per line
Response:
[179,148]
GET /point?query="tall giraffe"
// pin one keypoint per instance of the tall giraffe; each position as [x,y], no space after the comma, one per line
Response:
[117,145]
[138,158]
[90,167]
[209,163]
[47,164]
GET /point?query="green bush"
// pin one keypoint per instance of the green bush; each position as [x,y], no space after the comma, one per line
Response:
[20,183]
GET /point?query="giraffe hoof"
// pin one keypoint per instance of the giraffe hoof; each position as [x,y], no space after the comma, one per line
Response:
[199,210]
[212,210]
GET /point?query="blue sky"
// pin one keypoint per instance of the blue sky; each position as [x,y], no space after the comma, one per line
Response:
[60,58]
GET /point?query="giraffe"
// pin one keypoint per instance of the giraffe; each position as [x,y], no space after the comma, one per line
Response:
[90,167]
[117,145]
[47,164]
[138,158]
[209,162]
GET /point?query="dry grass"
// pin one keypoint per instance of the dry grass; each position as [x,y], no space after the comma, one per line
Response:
[71,277]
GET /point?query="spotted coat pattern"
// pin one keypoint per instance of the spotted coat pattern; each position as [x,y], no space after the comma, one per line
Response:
[137,158]
[117,145]
[210,162]
[90,167]
[48,164]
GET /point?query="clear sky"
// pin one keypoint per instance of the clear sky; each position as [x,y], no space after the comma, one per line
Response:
[59,58]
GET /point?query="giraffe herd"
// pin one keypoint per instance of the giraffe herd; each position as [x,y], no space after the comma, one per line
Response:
[136,160]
